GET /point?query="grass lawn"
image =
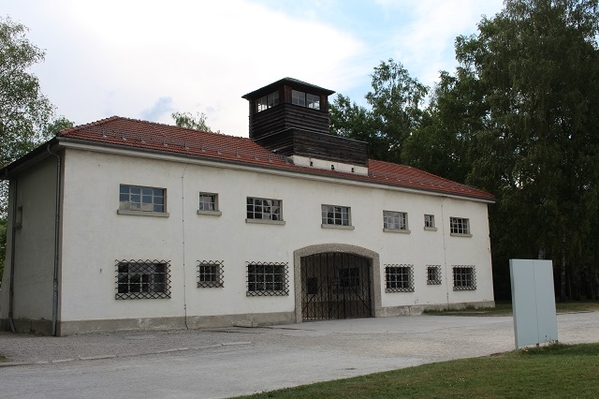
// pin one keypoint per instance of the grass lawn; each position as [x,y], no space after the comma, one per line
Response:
[555,371]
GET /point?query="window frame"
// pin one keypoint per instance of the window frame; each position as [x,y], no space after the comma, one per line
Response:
[267,101]
[340,213]
[429,222]
[267,279]
[399,278]
[464,278]
[212,212]
[401,222]
[126,200]
[306,99]
[273,206]
[127,280]
[459,227]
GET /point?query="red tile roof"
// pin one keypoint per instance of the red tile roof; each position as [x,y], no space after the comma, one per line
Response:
[136,134]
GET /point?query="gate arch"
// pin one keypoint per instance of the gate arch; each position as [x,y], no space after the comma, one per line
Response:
[344,253]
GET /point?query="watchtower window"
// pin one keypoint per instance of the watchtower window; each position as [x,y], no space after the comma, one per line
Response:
[305,99]
[267,101]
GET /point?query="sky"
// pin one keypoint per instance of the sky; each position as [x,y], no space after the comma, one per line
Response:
[145,59]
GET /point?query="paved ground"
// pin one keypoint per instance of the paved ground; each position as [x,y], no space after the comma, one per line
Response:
[235,361]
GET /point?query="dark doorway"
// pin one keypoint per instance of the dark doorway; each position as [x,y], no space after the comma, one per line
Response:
[335,286]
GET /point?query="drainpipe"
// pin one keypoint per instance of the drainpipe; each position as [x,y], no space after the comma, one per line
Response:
[56,244]
[11,283]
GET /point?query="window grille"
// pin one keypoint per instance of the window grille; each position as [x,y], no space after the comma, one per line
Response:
[459,226]
[464,278]
[210,274]
[395,220]
[399,278]
[267,279]
[143,279]
[264,208]
[433,275]
[349,277]
[336,215]
[142,199]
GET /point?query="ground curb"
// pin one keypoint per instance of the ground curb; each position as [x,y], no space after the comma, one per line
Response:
[102,357]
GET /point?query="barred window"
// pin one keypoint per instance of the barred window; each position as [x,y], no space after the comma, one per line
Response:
[336,215]
[399,278]
[433,275]
[429,221]
[264,209]
[143,279]
[142,199]
[464,278]
[267,279]
[459,226]
[395,221]
[210,274]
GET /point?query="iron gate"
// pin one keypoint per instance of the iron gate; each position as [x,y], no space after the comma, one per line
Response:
[335,286]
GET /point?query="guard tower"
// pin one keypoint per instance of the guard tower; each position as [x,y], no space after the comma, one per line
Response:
[290,117]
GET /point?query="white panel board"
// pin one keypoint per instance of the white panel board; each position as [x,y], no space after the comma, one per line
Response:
[533,301]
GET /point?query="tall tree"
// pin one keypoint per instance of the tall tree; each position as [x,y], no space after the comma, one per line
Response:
[396,102]
[534,74]
[24,110]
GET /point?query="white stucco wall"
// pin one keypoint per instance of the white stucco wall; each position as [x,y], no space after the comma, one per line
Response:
[34,192]
[95,236]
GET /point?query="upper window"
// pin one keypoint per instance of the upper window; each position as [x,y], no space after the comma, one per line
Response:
[267,101]
[336,215]
[208,204]
[267,279]
[464,278]
[142,279]
[264,209]
[303,99]
[143,200]
[459,226]
[396,221]
[399,278]
[429,222]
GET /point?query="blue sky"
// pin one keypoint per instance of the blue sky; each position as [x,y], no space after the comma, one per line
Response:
[145,59]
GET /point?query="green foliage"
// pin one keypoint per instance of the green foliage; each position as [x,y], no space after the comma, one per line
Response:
[556,371]
[395,100]
[533,76]
[24,111]
[190,121]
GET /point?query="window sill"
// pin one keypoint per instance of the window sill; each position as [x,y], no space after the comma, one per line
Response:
[140,213]
[397,231]
[430,229]
[460,235]
[210,213]
[265,221]
[337,227]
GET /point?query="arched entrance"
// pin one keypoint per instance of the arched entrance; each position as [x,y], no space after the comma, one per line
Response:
[336,281]
[335,286]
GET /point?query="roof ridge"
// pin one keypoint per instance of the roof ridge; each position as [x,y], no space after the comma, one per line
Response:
[88,125]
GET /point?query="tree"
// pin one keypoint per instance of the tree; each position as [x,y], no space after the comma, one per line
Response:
[533,77]
[188,120]
[24,110]
[395,100]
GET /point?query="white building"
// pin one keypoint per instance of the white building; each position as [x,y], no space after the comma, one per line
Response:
[127,224]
